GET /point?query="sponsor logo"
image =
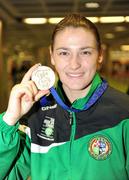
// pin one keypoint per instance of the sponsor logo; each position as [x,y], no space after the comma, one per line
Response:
[45,108]
[47,129]
[100,147]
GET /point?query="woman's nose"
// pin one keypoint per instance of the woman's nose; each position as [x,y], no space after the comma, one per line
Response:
[75,62]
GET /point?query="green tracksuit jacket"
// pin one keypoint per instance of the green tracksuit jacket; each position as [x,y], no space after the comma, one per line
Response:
[62,145]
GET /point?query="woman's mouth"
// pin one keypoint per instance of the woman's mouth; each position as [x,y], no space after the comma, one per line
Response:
[75,75]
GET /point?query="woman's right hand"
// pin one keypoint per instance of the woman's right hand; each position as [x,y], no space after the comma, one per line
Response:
[22,98]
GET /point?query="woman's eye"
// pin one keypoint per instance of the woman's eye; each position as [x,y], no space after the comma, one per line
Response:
[64,53]
[85,53]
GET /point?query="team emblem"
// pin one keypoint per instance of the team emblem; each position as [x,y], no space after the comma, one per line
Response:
[100,147]
[47,129]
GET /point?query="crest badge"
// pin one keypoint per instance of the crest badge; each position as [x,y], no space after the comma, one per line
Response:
[100,147]
[47,129]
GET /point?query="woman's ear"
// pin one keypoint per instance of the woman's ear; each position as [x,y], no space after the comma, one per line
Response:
[100,60]
[51,56]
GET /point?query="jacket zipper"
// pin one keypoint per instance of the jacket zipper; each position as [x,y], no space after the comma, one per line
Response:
[72,136]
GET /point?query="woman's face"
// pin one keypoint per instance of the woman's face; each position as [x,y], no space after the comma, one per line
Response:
[75,57]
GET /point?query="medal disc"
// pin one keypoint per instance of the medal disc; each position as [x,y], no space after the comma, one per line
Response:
[44,77]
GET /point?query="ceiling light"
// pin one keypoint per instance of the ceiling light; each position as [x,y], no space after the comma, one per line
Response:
[109,36]
[35,20]
[112,19]
[127,18]
[92,5]
[0,26]
[125,47]
[55,20]
[120,28]
[93,19]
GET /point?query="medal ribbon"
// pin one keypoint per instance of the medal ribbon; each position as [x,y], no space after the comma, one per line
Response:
[96,95]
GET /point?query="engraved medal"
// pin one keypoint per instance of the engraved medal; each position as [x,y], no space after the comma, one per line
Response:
[44,77]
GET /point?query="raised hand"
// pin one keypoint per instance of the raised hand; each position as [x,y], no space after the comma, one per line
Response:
[22,98]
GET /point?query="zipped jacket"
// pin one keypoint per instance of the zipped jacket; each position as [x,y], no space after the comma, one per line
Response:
[57,144]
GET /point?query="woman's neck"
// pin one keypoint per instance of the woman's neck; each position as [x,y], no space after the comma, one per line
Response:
[76,94]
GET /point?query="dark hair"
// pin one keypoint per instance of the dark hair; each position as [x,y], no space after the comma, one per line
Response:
[76,20]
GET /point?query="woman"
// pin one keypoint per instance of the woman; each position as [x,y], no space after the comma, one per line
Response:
[85,137]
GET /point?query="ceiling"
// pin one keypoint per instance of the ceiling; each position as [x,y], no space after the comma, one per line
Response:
[16,33]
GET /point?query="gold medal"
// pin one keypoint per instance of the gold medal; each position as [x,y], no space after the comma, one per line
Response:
[44,77]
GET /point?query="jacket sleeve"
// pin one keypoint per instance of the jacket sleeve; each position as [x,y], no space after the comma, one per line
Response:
[126,144]
[14,152]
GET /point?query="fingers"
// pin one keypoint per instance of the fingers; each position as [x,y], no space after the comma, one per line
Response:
[32,93]
[22,91]
[27,76]
[31,86]
[28,91]
[41,94]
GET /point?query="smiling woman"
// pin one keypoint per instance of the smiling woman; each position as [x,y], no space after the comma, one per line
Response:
[75,130]
[75,59]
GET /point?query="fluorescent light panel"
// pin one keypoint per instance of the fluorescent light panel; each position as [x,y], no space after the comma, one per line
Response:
[35,20]
[127,18]
[55,20]
[92,5]
[112,19]
[93,19]
[109,36]
[125,47]
[120,28]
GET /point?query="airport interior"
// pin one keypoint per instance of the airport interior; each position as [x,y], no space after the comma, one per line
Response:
[24,42]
